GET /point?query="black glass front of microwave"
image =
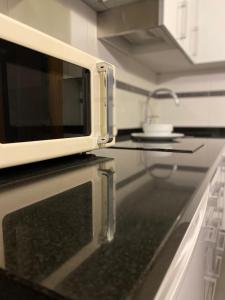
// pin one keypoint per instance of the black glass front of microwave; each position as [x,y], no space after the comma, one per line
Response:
[41,97]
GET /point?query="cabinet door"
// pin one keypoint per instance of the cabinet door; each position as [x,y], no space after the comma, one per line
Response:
[195,25]
[204,275]
[193,30]
[180,19]
[182,23]
[172,282]
[211,23]
[169,16]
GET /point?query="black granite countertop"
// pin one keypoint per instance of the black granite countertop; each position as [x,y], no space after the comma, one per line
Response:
[100,227]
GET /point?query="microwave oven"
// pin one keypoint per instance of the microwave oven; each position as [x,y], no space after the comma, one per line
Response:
[55,100]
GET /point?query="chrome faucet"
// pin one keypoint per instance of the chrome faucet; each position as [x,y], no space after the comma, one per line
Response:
[156,92]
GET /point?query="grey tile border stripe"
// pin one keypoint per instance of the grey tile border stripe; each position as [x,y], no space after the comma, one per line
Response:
[200,94]
[131,88]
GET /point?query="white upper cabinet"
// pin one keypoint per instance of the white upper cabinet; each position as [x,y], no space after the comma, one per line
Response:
[197,26]
[211,40]
[180,18]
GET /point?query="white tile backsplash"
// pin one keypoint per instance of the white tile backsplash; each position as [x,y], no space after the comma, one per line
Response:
[190,112]
[202,111]
[185,83]
[130,113]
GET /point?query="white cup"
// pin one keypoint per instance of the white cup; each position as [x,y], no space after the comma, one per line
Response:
[157,129]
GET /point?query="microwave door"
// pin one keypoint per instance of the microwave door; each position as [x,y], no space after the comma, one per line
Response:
[44,97]
[45,237]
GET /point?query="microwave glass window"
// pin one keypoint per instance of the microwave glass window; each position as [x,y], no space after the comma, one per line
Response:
[41,97]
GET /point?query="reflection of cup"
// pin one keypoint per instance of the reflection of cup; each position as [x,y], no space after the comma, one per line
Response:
[149,167]
[157,129]
[156,146]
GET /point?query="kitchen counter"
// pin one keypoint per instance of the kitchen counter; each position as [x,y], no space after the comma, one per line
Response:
[104,227]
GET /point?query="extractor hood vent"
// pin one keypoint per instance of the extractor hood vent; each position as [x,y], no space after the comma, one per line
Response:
[136,28]
[133,26]
[101,5]
[143,37]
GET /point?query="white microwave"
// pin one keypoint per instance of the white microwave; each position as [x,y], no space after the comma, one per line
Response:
[55,100]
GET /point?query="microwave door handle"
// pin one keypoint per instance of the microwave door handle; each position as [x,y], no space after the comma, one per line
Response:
[110,102]
[107,102]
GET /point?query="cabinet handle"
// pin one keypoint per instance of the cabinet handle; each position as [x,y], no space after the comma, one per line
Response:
[212,202]
[221,241]
[194,41]
[213,263]
[211,234]
[210,288]
[182,18]
[215,189]
[218,265]
[209,215]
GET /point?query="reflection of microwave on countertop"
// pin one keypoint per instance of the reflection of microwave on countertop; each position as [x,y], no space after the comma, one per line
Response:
[55,100]
[51,224]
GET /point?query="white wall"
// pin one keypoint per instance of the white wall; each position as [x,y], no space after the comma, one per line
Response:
[204,111]
[75,23]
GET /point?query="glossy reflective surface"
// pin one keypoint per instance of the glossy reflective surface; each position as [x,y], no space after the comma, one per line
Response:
[185,145]
[40,237]
[104,230]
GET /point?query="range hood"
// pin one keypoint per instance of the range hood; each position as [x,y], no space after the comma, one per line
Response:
[132,26]
[144,30]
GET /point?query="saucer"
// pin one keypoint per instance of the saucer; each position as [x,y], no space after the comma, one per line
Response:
[156,136]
